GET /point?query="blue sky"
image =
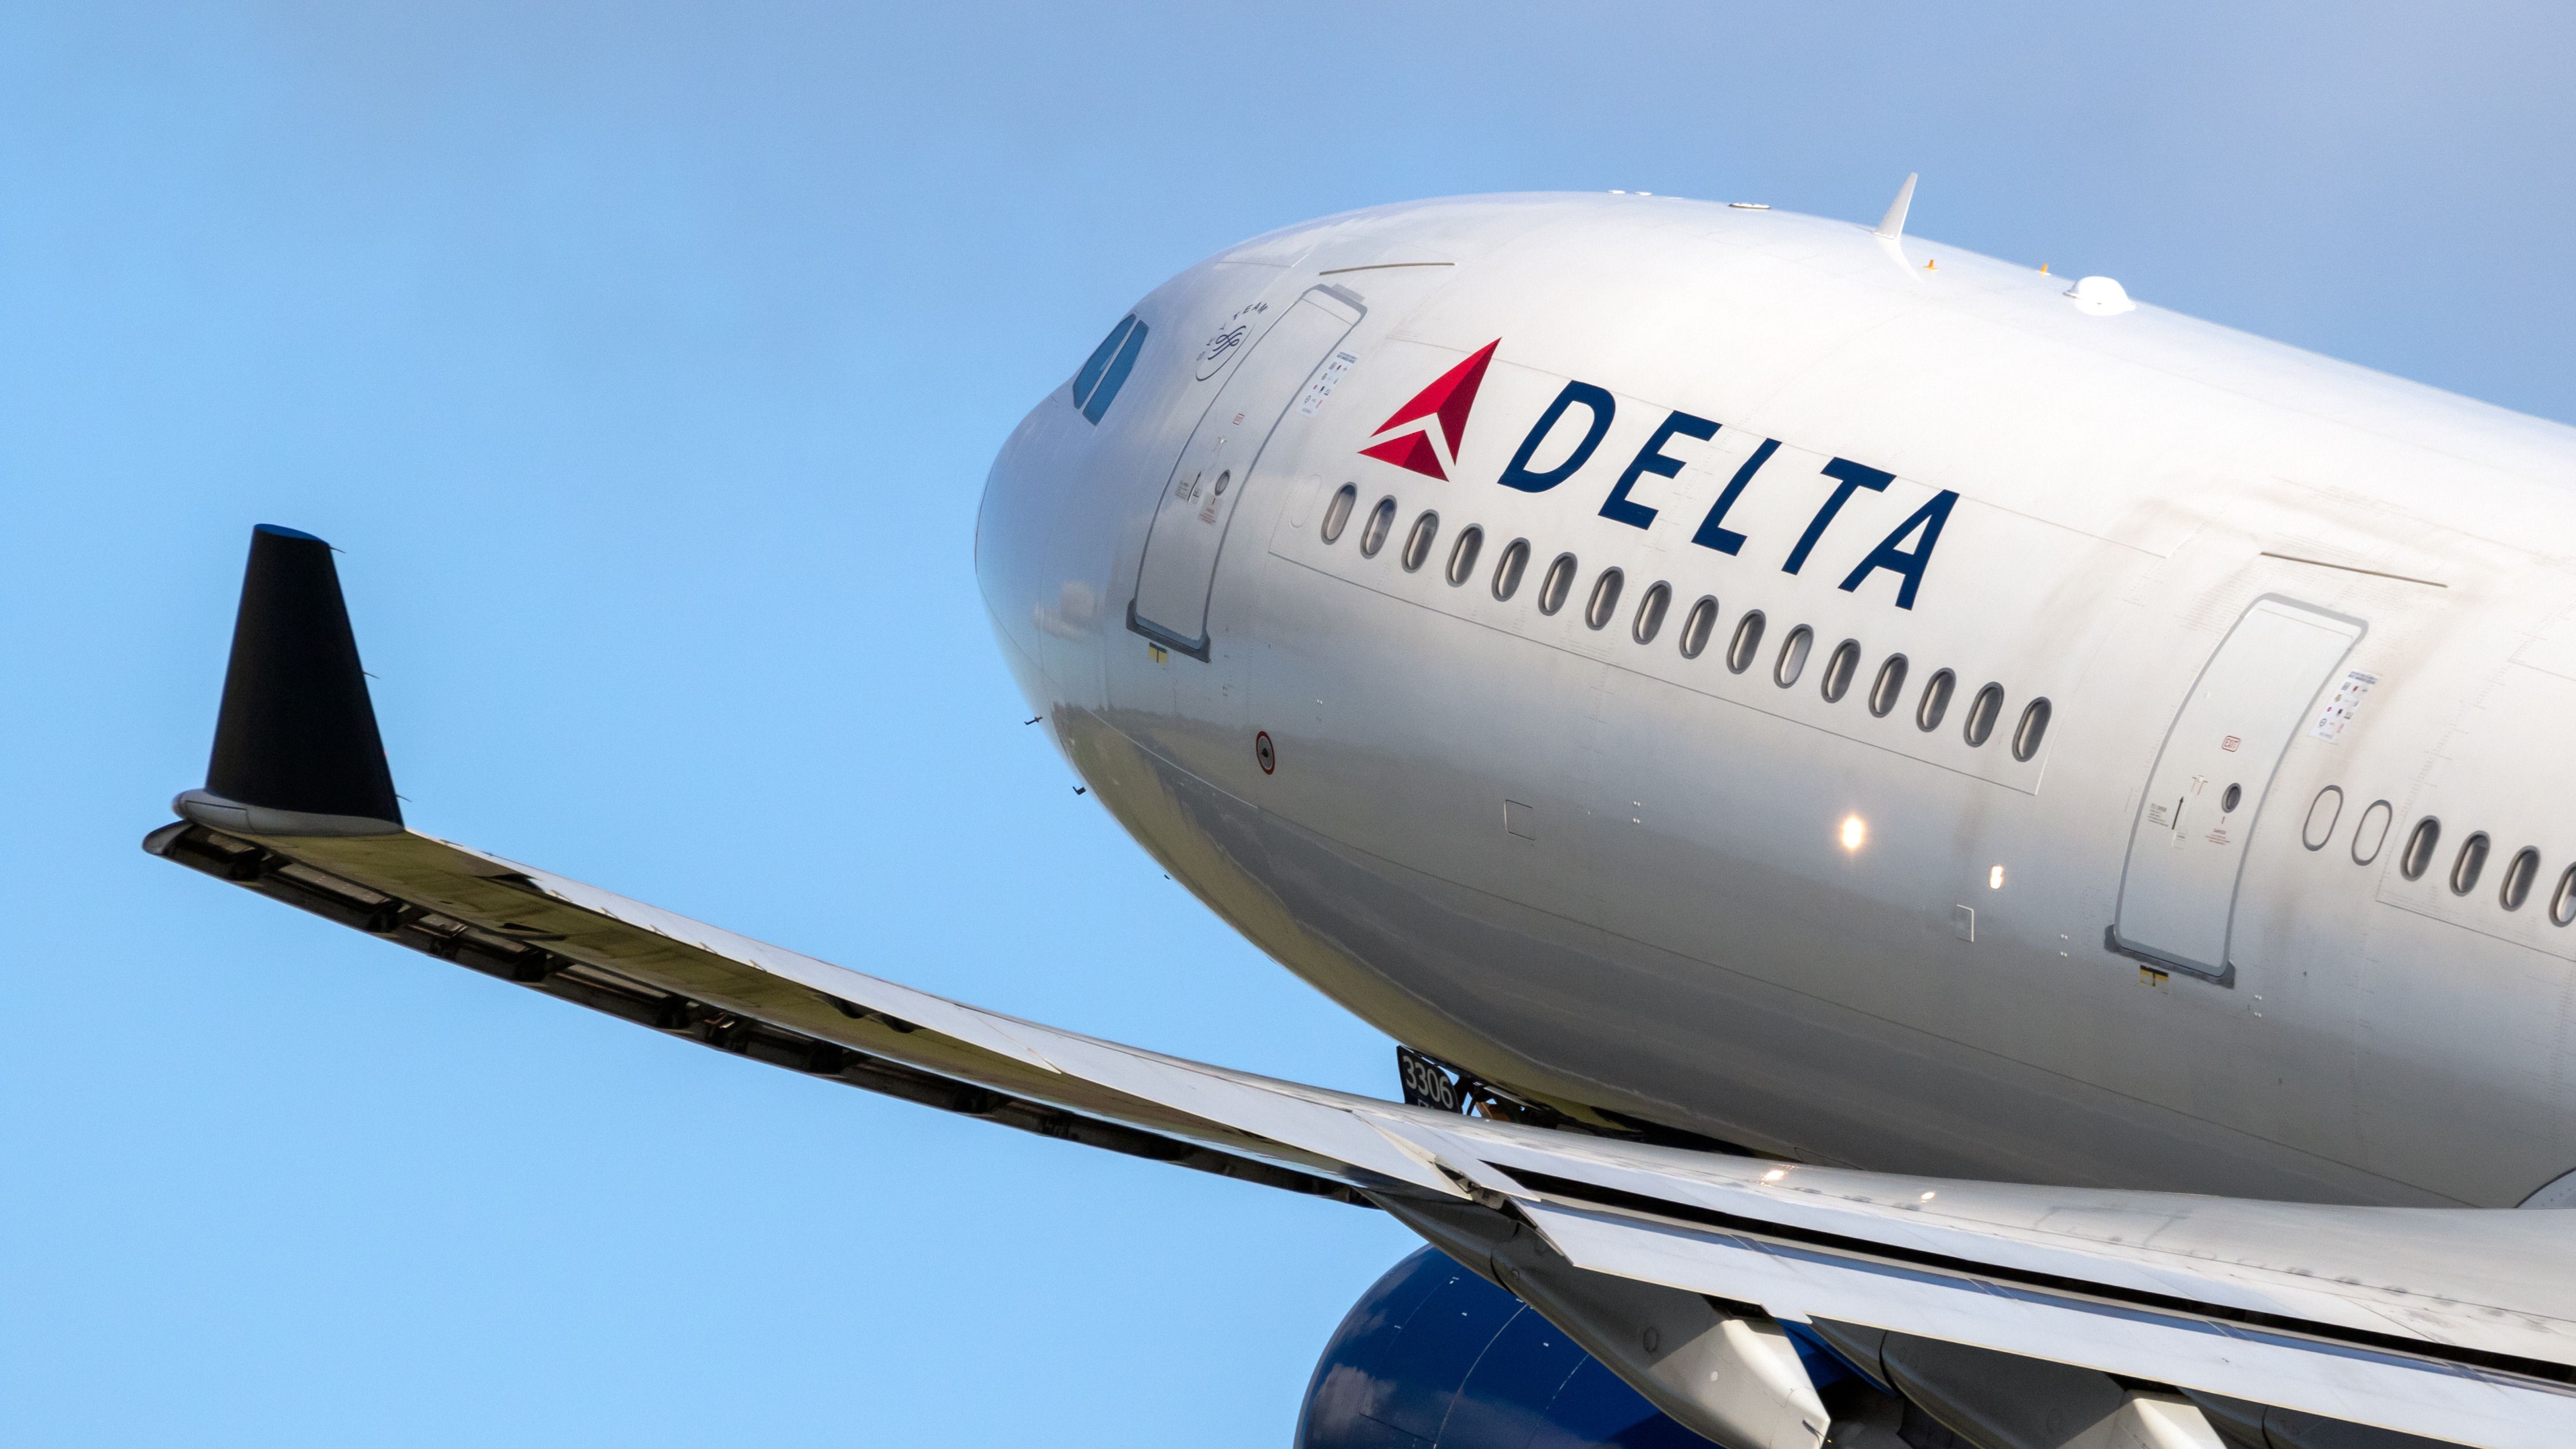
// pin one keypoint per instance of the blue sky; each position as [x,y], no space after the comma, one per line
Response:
[645,361]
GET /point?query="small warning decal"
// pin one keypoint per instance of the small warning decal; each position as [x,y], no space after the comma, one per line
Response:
[2336,715]
[1311,401]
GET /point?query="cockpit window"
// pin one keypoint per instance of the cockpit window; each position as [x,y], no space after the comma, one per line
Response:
[1096,386]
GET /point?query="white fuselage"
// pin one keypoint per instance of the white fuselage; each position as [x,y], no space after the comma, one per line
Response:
[1644,886]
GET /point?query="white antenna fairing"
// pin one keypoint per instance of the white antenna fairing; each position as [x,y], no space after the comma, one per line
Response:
[1892,225]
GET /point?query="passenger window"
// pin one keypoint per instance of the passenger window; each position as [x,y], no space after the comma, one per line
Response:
[1462,555]
[1373,533]
[2323,811]
[2465,866]
[1696,629]
[1936,700]
[1747,641]
[1840,666]
[2518,878]
[1509,568]
[2562,901]
[1558,583]
[1982,714]
[1793,656]
[1650,613]
[2371,833]
[2034,728]
[1605,598]
[1096,386]
[1885,690]
[1417,544]
[2419,848]
[1337,514]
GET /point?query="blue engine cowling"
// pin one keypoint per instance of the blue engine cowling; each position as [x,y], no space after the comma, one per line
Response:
[1434,1357]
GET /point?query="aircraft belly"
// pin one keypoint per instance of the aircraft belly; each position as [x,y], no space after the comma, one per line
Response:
[1566,1010]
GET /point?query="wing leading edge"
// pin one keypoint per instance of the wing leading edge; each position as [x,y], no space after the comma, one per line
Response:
[2453,1324]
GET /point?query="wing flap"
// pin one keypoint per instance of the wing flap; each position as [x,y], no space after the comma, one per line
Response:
[2492,1281]
[2393,1390]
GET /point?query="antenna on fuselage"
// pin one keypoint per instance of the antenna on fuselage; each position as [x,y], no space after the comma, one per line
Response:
[1892,225]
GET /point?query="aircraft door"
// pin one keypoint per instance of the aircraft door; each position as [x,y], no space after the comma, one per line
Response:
[1181,546]
[2187,848]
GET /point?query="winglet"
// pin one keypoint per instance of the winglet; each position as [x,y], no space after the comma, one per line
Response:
[1892,225]
[296,749]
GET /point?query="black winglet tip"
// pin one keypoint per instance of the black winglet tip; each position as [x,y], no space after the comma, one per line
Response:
[297,738]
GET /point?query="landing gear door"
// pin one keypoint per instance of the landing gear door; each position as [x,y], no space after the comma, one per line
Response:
[2187,847]
[1181,547]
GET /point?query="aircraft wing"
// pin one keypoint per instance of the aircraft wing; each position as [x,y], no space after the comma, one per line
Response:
[2453,1324]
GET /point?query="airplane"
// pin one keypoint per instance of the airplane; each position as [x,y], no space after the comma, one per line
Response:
[1956,858]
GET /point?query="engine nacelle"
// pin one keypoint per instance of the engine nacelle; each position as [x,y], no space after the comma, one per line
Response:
[1434,1357]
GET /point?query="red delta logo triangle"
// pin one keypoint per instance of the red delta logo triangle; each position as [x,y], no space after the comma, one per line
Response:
[1446,401]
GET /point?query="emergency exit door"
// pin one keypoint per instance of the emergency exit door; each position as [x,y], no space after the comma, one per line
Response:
[1188,532]
[2187,847]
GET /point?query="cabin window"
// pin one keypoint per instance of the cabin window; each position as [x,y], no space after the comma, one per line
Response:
[1509,568]
[2372,832]
[1889,687]
[1748,639]
[2562,901]
[2518,877]
[2466,865]
[1840,666]
[2034,728]
[1983,711]
[1462,555]
[1936,700]
[1096,386]
[1793,656]
[1650,613]
[2419,848]
[2230,799]
[1696,629]
[1417,544]
[1337,514]
[1558,583]
[2323,811]
[1373,533]
[1605,598]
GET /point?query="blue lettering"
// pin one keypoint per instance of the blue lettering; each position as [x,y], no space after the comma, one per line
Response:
[1853,477]
[1651,459]
[1712,532]
[1597,402]
[1907,564]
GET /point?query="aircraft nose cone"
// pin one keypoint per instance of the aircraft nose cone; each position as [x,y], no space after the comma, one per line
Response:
[1042,547]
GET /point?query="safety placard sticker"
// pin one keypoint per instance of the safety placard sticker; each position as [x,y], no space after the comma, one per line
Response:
[2335,716]
[1320,387]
